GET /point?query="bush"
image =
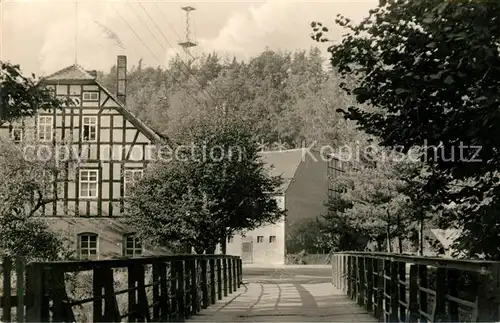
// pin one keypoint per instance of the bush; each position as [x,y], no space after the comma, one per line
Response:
[297,259]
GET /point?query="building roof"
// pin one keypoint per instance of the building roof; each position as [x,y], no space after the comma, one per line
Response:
[153,134]
[283,163]
[77,73]
[71,73]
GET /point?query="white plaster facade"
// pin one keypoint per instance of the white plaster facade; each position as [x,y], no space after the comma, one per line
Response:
[303,195]
[264,245]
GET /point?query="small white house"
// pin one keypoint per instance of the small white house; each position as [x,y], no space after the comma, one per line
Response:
[303,194]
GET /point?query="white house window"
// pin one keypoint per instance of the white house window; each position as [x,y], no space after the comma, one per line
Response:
[132,246]
[88,183]
[90,96]
[88,246]
[272,239]
[131,176]
[229,239]
[45,128]
[89,132]
[17,134]
[260,239]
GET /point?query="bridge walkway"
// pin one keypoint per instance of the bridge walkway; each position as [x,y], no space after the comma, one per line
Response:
[285,297]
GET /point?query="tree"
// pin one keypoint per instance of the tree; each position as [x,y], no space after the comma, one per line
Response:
[27,186]
[210,188]
[309,235]
[285,96]
[372,200]
[429,67]
[21,96]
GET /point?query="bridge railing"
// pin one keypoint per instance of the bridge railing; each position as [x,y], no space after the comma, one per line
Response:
[166,288]
[403,288]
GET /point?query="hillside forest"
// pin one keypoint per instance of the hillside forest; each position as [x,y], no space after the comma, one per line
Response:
[290,99]
[287,97]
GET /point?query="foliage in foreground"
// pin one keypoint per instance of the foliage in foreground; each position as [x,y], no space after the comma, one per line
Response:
[22,96]
[26,182]
[27,186]
[211,188]
[431,69]
[372,204]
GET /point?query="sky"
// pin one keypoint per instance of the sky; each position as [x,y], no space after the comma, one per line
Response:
[41,35]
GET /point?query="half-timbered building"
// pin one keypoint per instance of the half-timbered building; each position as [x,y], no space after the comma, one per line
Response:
[113,148]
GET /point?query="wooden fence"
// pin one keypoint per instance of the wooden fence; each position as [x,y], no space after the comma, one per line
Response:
[165,288]
[13,270]
[400,288]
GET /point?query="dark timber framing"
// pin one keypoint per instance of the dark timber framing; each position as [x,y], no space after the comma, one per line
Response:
[67,126]
[66,164]
[122,166]
[111,169]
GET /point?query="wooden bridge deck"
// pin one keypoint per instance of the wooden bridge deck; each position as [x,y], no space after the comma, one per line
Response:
[392,287]
[285,299]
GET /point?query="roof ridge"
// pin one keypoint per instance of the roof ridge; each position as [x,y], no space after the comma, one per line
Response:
[80,74]
[284,163]
[80,69]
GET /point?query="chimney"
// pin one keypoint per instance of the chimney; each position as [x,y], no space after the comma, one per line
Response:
[93,73]
[121,83]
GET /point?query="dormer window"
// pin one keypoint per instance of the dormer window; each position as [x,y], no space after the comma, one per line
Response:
[90,96]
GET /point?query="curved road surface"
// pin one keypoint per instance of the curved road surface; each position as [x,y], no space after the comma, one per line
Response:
[285,295]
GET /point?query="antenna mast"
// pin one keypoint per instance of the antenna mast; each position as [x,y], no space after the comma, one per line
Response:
[187,44]
[76,32]
[1,31]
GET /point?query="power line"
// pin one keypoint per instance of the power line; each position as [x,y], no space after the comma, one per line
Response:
[177,35]
[153,54]
[154,36]
[166,19]
[170,44]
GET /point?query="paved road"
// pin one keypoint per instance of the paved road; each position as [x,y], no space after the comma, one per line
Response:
[285,295]
[313,271]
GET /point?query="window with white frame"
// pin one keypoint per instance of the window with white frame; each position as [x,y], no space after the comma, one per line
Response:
[90,96]
[88,183]
[16,134]
[89,129]
[45,128]
[131,177]
[132,246]
[260,239]
[88,245]
[272,239]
